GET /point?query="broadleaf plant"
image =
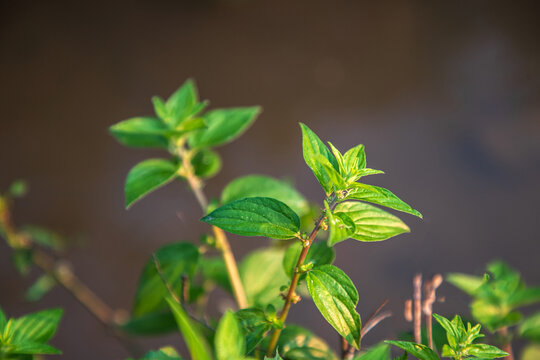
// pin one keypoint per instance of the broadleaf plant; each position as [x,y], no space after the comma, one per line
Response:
[296,264]
[461,345]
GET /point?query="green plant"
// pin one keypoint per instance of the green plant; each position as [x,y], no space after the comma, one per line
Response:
[28,335]
[177,279]
[461,343]
[256,206]
[496,297]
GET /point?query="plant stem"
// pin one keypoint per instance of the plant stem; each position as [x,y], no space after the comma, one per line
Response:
[64,276]
[417,298]
[222,243]
[291,293]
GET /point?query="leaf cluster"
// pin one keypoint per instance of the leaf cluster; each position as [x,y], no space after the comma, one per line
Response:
[26,336]
[497,295]
[461,345]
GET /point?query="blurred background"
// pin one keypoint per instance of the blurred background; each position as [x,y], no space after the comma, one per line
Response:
[445,96]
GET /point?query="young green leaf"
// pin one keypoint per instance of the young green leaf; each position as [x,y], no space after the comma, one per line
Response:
[195,341]
[181,103]
[276,357]
[141,132]
[262,275]
[466,283]
[229,341]
[257,216]
[530,328]
[37,327]
[341,226]
[255,325]
[319,254]
[453,329]
[206,163]
[380,196]
[484,351]
[377,352]
[336,179]
[174,260]
[422,352]
[160,108]
[524,296]
[31,348]
[44,237]
[355,158]
[312,148]
[40,288]
[148,176]
[223,126]
[266,186]
[371,223]
[336,298]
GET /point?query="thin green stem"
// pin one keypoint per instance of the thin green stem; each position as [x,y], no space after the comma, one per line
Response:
[222,242]
[291,293]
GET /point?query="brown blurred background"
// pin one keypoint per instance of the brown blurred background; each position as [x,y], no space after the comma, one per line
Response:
[445,96]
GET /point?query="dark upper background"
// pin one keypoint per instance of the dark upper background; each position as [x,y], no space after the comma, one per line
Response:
[445,96]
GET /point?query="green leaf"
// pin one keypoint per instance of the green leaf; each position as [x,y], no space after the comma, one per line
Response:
[18,188]
[355,158]
[3,320]
[229,340]
[371,223]
[336,298]
[485,351]
[464,282]
[40,288]
[422,352]
[526,296]
[313,147]
[265,186]
[494,316]
[530,328]
[32,348]
[319,254]
[255,325]
[23,260]
[262,275]
[160,108]
[223,126]
[337,182]
[206,163]
[181,103]
[257,216]
[148,176]
[378,352]
[380,196]
[44,237]
[37,327]
[342,227]
[298,343]
[155,323]
[453,333]
[143,132]
[339,158]
[195,341]
[174,260]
